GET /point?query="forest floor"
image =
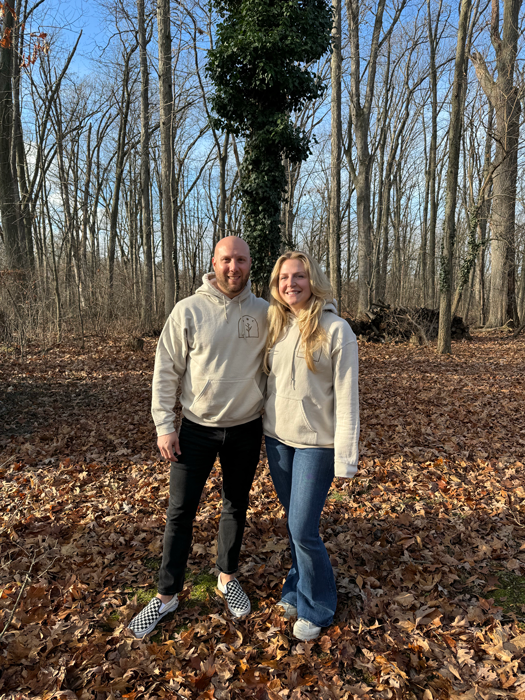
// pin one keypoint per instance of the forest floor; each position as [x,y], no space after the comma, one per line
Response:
[428,541]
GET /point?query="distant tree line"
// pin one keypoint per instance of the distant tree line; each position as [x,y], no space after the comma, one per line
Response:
[393,156]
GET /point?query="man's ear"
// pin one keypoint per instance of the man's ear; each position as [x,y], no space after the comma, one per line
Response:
[213,262]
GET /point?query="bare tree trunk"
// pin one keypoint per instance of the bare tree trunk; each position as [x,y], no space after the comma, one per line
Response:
[223,160]
[14,238]
[454,146]
[429,259]
[167,174]
[18,157]
[147,293]
[360,111]
[504,97]
[378,283]
[125,104]
[85,210]
[334,241]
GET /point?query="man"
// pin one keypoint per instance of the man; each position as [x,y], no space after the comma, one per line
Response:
[212,344]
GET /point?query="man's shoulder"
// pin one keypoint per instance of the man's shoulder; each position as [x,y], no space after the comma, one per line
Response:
[259,302]
[194,301]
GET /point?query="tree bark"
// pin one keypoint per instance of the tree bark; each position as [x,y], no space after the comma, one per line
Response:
[167,174]
[504,97]
[125,104]
[428,261]
[444,345]
[145,177]
[360,111]
[14,238]
[334,241]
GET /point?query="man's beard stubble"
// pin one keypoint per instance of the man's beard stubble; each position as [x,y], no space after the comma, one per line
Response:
[225,283]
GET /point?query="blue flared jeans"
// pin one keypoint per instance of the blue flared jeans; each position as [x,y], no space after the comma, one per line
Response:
[302,478]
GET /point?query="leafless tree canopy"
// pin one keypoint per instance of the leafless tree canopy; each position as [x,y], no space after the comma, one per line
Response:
[114,186]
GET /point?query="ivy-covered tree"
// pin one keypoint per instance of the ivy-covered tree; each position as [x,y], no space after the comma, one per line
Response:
[259,67]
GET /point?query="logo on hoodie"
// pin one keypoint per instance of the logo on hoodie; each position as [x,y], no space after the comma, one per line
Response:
[248,327]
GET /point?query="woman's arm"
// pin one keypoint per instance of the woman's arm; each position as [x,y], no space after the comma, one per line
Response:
[345,370]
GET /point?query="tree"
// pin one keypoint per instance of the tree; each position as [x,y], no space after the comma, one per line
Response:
[454,146]
[169,247]
[12,223]
[259,69]
[360,112]
[334,239]
[144,36]
[505,98]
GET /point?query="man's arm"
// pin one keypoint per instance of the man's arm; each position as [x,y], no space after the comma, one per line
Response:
[170,365]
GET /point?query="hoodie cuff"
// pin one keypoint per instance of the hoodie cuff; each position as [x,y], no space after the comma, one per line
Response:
[347,471]
[165,429]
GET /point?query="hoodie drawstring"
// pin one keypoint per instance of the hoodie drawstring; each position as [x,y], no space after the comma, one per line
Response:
[240,316]
[292,368]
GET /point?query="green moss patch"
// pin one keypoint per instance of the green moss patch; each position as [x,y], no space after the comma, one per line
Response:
[511,595]
[203,586]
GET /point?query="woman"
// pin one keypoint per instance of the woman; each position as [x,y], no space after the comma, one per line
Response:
[311,424]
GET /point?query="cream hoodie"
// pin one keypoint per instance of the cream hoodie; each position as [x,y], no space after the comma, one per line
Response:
[316,409]
[214,346]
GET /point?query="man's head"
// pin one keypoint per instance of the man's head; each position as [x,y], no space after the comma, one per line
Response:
[231,262]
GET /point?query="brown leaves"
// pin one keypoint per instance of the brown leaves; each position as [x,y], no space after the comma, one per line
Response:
[420,539]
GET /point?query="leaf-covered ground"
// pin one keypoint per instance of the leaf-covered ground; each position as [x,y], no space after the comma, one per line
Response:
[428,541]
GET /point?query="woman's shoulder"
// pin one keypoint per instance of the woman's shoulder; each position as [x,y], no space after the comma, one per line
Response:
[338,328]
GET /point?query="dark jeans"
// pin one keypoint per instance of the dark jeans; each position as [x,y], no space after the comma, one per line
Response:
[239,450]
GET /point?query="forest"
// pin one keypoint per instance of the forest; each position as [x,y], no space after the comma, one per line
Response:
[117,178]
[381,137]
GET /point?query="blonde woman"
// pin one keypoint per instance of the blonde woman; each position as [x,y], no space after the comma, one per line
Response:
[311,424]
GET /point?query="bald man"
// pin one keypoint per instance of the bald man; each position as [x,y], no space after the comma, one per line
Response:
[212,345]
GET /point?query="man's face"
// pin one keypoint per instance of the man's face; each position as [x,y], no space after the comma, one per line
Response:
[231,263]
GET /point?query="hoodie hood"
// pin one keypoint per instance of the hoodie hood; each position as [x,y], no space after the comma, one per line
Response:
[209,290]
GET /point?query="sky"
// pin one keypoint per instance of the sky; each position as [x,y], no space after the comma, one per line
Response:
[69,19]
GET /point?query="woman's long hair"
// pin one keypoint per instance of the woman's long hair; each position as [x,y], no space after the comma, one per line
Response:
[312,333]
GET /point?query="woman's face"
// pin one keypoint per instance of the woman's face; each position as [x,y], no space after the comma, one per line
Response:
[294,285]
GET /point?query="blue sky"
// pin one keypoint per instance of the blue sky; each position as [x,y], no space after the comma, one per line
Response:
[69,18]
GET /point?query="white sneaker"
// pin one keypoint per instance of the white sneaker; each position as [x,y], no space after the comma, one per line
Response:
[147,619]
[305,630]
[289,609]
[237,600]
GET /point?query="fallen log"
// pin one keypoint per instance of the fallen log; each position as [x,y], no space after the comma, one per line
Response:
[417,325]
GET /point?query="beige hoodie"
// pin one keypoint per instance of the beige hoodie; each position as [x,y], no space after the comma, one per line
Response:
[214,346]
[316,409]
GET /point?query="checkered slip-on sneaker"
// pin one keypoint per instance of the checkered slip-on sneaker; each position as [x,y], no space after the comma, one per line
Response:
[147,619]
[237,600]
[288,609]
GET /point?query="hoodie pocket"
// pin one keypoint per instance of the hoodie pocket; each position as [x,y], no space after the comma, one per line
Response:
[287,419]
[228,400]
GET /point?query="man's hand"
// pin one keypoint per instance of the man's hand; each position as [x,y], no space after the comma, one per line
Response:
[169,446]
